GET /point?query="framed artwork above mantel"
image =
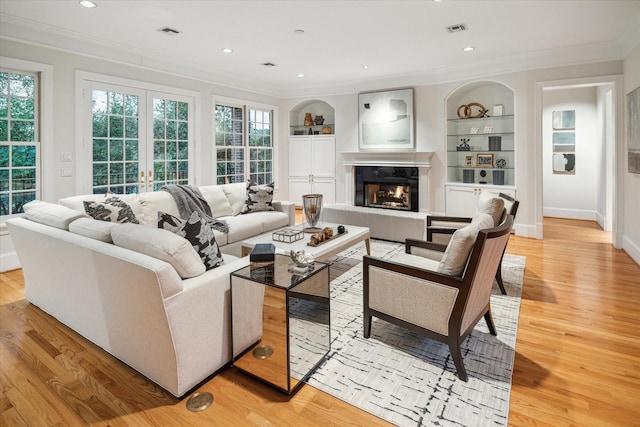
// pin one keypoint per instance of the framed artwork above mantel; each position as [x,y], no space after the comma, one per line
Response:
[386,120]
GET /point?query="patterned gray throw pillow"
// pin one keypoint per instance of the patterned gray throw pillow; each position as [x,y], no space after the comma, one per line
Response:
[259,198]
[198,232]
[111,210]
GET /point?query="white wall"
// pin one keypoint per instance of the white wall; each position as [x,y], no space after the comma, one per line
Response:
[631,239]
[576,195]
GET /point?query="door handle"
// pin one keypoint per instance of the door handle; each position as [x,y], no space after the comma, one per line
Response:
[141,177]
[150,175]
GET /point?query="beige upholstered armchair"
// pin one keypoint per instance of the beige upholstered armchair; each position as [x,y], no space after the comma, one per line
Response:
[441,228]
[441,292]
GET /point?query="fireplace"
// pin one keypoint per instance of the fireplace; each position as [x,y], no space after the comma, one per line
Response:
[387,187]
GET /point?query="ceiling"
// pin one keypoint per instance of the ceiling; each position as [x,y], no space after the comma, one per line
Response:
[400,42]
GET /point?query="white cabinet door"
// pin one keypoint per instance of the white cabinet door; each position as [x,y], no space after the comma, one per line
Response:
[326,187]
[463,200]
[298,187]
[324,157]
[300,156]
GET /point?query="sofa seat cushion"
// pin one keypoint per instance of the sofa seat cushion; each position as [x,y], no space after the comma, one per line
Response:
[160,244]
[243,227]
[415,261]
[51,214]
[198,232]
[89,227]
[455,257]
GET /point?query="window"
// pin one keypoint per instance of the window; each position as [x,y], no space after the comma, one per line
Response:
[244,144]
[19,140]
[140,139]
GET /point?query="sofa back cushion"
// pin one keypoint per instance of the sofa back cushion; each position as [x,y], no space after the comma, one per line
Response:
[51,214]
[236,195]
[153,202]
[77,202]
[217,200]
[161,244]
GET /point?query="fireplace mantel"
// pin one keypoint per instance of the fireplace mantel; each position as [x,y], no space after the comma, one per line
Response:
[421,159]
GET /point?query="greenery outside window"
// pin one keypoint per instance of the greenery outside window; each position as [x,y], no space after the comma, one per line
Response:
[19,140]
[244,144]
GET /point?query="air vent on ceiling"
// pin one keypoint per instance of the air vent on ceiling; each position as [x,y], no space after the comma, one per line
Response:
[457,28]
[268,64]
[169,31]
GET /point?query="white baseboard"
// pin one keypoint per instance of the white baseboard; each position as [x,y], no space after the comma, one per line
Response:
[9,261]
[525,230]
[631,248]
[570,213]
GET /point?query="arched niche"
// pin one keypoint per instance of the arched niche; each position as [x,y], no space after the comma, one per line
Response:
[315,107]
[488,93]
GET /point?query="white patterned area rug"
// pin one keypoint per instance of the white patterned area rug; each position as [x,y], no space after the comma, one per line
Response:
[407,379]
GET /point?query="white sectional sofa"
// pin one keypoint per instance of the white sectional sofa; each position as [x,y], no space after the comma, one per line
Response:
[161,315]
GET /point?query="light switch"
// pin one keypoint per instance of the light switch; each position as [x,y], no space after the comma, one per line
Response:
[66,172]
[65,156]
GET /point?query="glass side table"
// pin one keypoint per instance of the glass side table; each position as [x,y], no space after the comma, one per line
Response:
[280,322]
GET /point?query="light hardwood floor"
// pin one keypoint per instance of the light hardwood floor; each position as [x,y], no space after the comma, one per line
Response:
[577,356]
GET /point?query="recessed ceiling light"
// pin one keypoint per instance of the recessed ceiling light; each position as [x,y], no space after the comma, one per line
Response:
[88,4]
[365,67]
[298,32]
[300,75]
[227,50]
[468,49]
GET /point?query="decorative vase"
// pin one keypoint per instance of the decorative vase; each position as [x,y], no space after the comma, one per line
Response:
[308,120]
[312,206]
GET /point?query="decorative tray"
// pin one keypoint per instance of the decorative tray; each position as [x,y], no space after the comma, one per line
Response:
[328,240]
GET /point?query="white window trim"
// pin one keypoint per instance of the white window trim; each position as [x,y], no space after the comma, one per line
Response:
[83,77]
[221,100]
[45,189]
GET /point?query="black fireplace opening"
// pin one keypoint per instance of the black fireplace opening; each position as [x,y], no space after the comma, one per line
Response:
[387,187]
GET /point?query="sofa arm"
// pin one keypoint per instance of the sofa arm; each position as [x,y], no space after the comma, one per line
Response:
[287,207]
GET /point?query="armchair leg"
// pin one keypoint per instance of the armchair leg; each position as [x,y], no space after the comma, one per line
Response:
[489,319]
[456,354]
[499,277]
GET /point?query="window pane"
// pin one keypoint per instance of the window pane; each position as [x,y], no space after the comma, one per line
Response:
[100,150]
[4,83]
[171,110]
[116,150]
[100,126]
[21,108]
[4,181]
[116,103]
[22,85]
[22,131]
[183,111]
[4,156]
[23,155]
[4,130]
[131,149]
[131,105]
[4,106]
[99,102]
[116,126]
[131,127]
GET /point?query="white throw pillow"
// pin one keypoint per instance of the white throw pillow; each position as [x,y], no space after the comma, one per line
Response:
[236,195]
[51,214]
[489,203]
[455,257]
[161,244]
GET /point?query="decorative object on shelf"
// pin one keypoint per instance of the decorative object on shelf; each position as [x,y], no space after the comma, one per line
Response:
[464,145]
[312,206]
[474,131]
[386,120]
[483,174]
[467,111]
[485,160]
[498,177]
[501,163]
[341,229]
[327,130]
[263,252]
[470,161]
[298,132]
[319,238]
[468,176]
[498,110]
[287,235]
[328,232]
[308,120]
[487,129]
[310,131]
[495,143]
[318,120]
[316,132]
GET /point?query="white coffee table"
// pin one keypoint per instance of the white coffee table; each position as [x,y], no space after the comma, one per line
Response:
[321,252]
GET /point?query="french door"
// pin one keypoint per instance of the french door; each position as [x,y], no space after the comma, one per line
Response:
[136,140]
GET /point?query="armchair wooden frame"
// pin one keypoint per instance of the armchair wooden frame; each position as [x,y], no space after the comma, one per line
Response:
[432,229]
[476,274]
